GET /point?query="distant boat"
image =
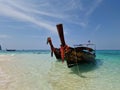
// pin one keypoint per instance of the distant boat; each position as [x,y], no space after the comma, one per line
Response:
[10,50]
[0,47]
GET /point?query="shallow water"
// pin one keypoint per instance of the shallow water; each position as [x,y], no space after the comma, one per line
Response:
[36,70]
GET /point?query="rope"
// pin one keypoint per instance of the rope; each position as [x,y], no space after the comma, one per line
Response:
[77,61]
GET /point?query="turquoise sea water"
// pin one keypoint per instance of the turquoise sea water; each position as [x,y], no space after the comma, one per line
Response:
[36,70]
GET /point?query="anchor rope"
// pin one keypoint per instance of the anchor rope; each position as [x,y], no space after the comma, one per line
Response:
[76,61]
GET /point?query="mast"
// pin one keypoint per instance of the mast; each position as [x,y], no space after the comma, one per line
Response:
[61,34]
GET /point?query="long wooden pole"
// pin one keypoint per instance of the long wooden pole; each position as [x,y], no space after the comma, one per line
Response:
[61,34]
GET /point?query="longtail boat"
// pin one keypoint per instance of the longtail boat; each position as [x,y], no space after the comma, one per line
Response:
[0,47]
[75,55]
[54,50]
[10,50]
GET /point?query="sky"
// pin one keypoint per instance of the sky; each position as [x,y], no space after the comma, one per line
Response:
[26,24]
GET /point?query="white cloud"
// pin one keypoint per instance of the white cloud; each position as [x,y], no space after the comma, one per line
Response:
[9,11]
[2,36]
[98,27]
[96,3]
[46,14]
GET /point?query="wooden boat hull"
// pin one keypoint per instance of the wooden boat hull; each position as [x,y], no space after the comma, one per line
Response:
[78,57]
[75,55]
[57,53]
[54,50]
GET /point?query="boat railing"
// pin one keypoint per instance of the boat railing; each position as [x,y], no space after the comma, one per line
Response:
[89,46]
[93,46]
